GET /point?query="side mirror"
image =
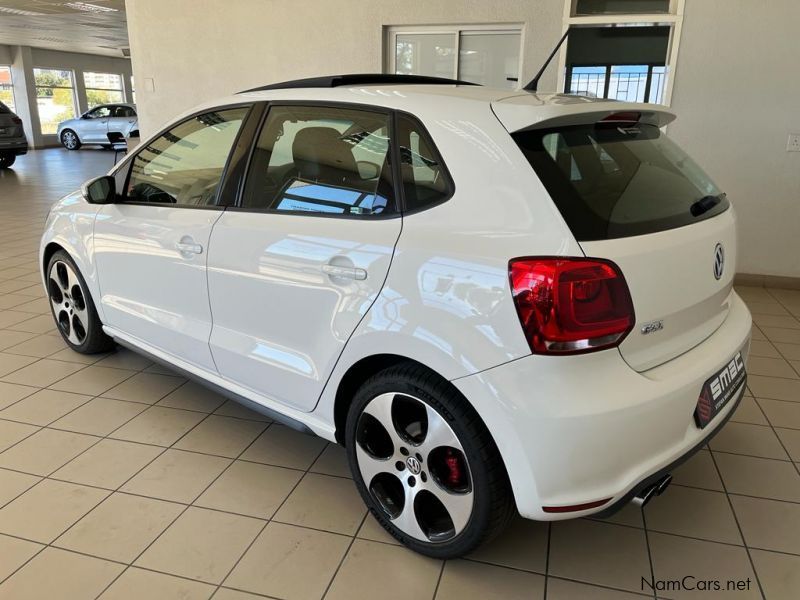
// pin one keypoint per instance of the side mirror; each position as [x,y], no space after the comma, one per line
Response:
[100,190]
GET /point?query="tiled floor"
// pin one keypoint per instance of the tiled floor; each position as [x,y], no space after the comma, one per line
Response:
[118,479]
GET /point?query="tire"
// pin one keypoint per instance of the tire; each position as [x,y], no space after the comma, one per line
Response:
[70,140]
[72,307]
[434,453]
[106,146]
[6,160]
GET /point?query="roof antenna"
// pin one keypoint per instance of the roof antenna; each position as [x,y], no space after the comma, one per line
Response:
[533,84]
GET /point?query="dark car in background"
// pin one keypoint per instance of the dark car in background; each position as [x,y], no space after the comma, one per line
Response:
[12,137]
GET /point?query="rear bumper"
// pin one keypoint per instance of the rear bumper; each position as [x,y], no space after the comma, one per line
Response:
[15,146]
[578,429]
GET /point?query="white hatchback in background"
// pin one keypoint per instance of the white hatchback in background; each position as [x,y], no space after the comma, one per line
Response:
[495,300]
[93,126]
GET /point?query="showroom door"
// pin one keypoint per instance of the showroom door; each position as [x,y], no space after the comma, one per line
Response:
[151,246]
[295,267]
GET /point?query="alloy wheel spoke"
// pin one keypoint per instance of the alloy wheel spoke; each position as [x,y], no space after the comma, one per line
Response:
[439,432]
[370,466]
[406,521]
[381,408]
[459,506]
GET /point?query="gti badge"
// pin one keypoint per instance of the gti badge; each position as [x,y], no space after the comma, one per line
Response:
[652,327]
[719,261]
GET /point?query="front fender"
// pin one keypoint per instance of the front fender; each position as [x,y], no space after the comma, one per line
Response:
[70,225]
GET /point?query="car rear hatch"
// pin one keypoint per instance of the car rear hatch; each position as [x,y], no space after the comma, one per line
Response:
[10,124]
[632,196]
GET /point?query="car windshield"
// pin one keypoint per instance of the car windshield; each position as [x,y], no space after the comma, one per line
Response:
[612,180]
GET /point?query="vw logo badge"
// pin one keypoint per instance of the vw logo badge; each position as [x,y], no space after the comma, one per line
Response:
[413,465]
[719,261]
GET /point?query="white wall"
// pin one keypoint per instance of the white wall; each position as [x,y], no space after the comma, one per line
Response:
[24,59]
[737,95]
[736,86]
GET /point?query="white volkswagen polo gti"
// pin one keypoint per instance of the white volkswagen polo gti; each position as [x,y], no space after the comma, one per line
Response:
[496,301]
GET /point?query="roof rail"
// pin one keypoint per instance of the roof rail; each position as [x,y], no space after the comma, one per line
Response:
[358,79]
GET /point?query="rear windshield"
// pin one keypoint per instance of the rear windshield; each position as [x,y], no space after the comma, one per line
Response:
[613,180]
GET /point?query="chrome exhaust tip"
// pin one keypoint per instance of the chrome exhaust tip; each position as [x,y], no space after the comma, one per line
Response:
[656,489]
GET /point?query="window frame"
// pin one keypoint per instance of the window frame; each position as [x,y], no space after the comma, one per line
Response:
[10,87]
[120,89]
[73,88]
[127,164]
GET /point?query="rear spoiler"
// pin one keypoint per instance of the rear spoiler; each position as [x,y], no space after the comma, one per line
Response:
[519,113]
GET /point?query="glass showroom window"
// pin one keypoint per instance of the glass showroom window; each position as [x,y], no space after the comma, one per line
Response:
[102,88]
[133,90]
[55,97]
[6,89]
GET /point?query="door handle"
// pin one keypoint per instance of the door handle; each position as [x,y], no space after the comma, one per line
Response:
[344,272]
[188,246]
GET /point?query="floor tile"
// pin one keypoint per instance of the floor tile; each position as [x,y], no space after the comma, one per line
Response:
[39,324]
[223,436]
[122,358]
[770,367]
[14,553]
[10,363]
[468,580]
[522,546]
[602,553]
[57,573]
[10,318]
[100,416]
[108,464]
[69,355]
[781,413]
[138,584]
[779,574]
[43,407]
[774,388]
[676,557]
[12,484]
[332,461]
[192,396]
[753,440]
[45,451]
[120,528]
[749,412]
[40,346]
[693,513]
[559,589]
[769,524]
[759,477]
[763,348]
[250,489]
[92,380]
[228,594]
[774,334]
[202,544]
[43,373]
[788,351]
[47,509]
[767,308]
[782,321]
[790,438]
[341,511]
[12,433]
[284,447]
[699,471]
[277,564]
[148,388]
[231,408]
[157,425]
[177,475]
[374,531]
[12,392]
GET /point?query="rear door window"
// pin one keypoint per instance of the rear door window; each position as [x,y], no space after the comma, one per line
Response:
[617,180]
[424,178]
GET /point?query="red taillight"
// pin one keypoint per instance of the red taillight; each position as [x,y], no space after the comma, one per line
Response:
[570,305]
[574,507]
[16,120]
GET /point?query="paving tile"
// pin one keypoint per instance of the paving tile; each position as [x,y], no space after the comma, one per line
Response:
[177,475]
[693,513]
[12,433]
[223,436]
[769,524]
[12,484]
[277,564]
[250,489]
[465,580]
[43,407]
[148,388]
[120,528]
[781,413]
[10,363]
[522,546]
[284,447]
[677,557]
[138,584]
[55,573]
[108,464]
[201,544]
[602,553]
[759,477]
[779,574]
[157,425]
[754,440]
[45,451]
[341,511]
[14,553]
[790,438]
[748,411]
[192,396]
[332,461]
[92,380]
[99,416]
[560,589]
[47,509]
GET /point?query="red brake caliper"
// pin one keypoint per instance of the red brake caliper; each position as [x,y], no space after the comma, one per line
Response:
[455,473]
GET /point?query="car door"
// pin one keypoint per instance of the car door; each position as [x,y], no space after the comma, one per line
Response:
[121,120]
[94,126]
[295,267]
[151,246]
